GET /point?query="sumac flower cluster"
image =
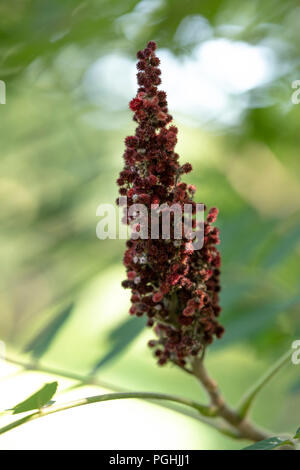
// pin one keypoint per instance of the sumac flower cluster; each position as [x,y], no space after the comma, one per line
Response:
[175,286]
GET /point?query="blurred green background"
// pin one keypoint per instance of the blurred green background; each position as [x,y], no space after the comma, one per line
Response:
[69,69]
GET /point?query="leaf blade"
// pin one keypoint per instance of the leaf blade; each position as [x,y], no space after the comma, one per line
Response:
[297,435]
[268,444]
[43,340]
[250,396]
[37,400]
[121,337]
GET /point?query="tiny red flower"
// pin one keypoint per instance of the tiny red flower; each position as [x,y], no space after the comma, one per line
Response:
[212,215]
[157,297]
[135,104]
[131,275]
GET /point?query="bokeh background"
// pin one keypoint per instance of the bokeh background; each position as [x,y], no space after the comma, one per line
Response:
[69,69]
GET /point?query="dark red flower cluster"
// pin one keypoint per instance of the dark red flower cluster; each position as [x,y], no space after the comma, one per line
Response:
[176,286]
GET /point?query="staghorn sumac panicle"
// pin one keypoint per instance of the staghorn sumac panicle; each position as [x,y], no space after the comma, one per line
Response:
[174,285]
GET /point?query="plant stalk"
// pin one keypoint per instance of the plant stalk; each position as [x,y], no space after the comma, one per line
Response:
[105,397]
[245,428]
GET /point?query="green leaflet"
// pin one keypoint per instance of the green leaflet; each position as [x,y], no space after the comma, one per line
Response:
[37,400]
[269,444]
[43,340]
[297,435]
[120,337]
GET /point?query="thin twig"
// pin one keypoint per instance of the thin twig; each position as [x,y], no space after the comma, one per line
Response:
[245,427]
[88,380]
[85,380]
[106,397]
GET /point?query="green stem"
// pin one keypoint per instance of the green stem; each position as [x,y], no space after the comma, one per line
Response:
[238,426]
[89,380]
[245,428]
[85,380]
[205,410]
[249,397]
